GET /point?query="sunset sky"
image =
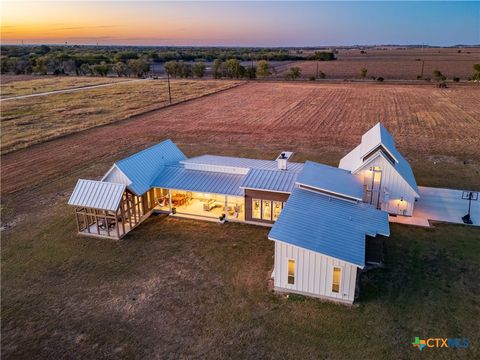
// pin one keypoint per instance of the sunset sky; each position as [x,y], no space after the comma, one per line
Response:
[240,23]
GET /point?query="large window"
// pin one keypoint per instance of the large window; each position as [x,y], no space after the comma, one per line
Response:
[337,274]
[291,272]
[277,209]
[266,210]
[256,210]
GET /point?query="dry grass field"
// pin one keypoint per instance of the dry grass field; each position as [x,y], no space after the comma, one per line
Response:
[32,120]
[185,289]
[393,64]
[11,86]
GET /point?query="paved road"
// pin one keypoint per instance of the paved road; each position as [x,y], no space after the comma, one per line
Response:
[70,90]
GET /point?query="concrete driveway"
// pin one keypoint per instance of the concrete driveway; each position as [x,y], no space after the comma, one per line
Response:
[439,204]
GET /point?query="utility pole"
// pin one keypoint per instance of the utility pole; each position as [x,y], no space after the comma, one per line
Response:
[317,70]
[169,93]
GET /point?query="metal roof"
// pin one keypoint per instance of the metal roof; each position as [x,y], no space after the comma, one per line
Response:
[328,225]
[270,180]
[374,138]
[179,178]
[142,168]
[238,162]
[331,179]
[97,195]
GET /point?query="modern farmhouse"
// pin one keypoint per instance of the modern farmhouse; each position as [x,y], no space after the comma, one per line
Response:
[322,217]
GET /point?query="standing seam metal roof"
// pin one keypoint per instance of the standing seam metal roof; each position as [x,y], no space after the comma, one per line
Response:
[328,225]
[272,180]
[142,167]
[331,179]
[179,178]
[97,195]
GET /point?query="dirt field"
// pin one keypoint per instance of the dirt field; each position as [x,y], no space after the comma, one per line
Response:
[393,64]
[20,86]
[186,289]
[28,121]
[436,129]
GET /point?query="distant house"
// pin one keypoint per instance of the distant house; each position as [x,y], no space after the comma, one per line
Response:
[388,178]
[322,217]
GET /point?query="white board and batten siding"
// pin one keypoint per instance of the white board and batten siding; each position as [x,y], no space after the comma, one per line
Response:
[313,273]
[394,184]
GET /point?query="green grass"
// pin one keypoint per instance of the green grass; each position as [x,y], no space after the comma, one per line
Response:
[181,288]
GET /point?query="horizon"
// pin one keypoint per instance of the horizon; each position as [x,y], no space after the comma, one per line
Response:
[237,24]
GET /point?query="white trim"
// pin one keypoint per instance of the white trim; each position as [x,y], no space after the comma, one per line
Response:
[375,147]
[258,189]
[324,192]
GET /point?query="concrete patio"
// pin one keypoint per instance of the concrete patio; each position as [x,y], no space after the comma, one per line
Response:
[439,204]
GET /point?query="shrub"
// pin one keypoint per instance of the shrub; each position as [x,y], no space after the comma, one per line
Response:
[380,79]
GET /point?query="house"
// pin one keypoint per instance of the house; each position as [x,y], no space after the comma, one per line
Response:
[388,178]
[322,217]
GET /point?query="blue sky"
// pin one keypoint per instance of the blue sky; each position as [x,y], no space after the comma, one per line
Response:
[242,23]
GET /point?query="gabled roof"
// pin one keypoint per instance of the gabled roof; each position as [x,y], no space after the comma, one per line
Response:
[143,167]
[329,226]
[331,179]
[242,163]
[376,139]
[97,195]
[270,180]
[179,178]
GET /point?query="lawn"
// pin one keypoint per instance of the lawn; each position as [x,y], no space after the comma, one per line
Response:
[29,121]
[179,288]
[45,84]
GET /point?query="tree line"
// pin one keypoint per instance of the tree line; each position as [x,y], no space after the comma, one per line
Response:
[135,61]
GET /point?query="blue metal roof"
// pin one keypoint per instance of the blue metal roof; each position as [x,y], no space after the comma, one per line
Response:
[179,178]
[241,162]
[141,168]
[271,180]
[331,179]
[328,225]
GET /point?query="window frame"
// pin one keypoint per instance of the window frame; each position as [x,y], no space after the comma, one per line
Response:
[260,209]
[340,268]
[270,206]
[291,274]
[273,209]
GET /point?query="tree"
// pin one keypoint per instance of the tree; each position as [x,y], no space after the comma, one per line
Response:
[293,73]
[476,75]
[263,68]
[102,69]
[199,69]
[139,67]
[85,69]
[251,73]
[171,68]
[185,70]
[363,72]
[120,69]
[40,67]
[217,69]
[233,68]
[438,76]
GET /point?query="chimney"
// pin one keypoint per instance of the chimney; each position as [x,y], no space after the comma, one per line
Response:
[282,160]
